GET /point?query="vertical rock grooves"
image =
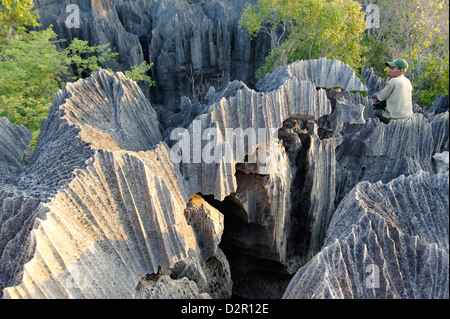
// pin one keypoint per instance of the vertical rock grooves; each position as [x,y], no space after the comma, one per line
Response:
[324,73]
[192,44]
[394,245]
[275,219]
[100,205]
[14,150]
[103,209]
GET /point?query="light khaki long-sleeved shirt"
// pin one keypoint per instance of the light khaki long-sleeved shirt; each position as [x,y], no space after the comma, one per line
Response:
[398,97]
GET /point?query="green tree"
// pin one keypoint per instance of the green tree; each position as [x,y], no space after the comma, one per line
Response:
[139,73]
[32,69]
[30,74]
[307,29]
[86,59]
[15,15]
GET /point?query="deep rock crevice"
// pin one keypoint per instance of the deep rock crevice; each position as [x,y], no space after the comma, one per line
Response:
[102,210]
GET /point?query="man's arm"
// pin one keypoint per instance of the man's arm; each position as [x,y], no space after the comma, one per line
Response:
[386,92]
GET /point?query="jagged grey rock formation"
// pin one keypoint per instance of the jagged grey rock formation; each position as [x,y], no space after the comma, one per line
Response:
[273,206]
[385,241]
[14,150]
[193,44]
[100,205]
[164,287]
[440,105]
[440,127]
[293,97]
[373,82]
[105,208]
[441,161]
[97,22]
[249,109]
[324,73]
[373,152]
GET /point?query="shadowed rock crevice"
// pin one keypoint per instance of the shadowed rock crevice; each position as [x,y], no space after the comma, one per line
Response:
[88,218]
[408,259]
[255,267]
[104,210]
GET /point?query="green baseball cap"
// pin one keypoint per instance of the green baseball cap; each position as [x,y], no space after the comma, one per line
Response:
[402,64]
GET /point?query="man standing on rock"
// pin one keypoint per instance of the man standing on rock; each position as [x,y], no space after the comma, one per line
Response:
[397,94]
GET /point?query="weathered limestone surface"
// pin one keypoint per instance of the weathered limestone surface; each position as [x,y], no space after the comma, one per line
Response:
[164,287]
[267,110]
[324,73]
[103,209]
[441,161]
[441,105]
[373,82]
[383,152]
[191,43]
[14,149]
[385,241]
[388,229]
[100,205]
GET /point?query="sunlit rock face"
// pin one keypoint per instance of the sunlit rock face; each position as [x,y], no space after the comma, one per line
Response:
[384,241]
[100,205]
[112,204]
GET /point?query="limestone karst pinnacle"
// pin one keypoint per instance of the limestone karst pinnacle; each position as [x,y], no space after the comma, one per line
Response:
[101,206]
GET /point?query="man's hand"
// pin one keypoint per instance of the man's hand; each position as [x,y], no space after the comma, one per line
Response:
[374,98]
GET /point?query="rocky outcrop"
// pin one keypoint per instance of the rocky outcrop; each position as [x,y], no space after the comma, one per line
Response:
[193,44]
[277,209]
[14,150]
[266,110]
[441,161]
[100,205]
[440,105]
[236,197]
[164,287]
[385,241]
[374,152]
[373,82]
[324,73]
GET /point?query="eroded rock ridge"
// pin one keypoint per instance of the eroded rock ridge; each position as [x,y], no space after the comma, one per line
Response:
[102,210]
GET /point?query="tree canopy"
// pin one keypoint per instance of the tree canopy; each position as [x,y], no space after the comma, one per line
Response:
[307,29]
[16,16]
